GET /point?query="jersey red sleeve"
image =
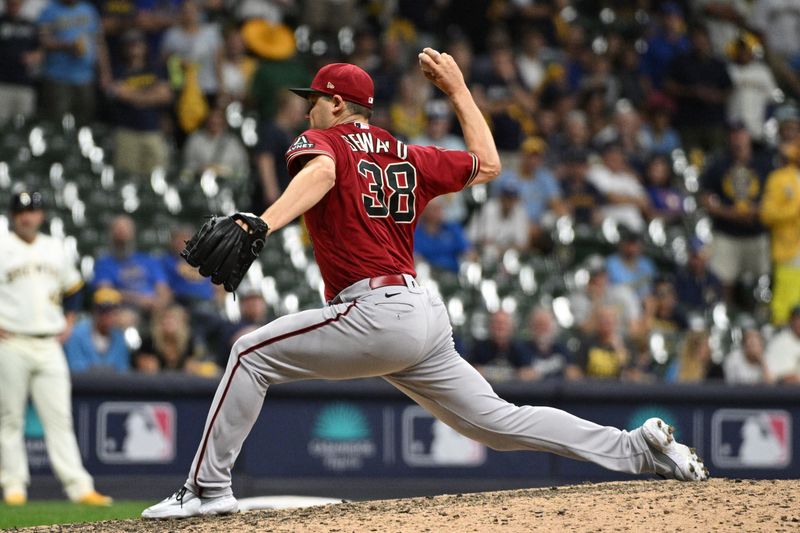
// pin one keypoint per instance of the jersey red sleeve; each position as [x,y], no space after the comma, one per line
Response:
[444,171]
[309,144]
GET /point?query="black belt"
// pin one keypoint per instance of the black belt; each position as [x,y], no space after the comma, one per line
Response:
[34,336]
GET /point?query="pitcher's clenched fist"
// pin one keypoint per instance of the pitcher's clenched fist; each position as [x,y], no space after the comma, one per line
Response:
[442,70]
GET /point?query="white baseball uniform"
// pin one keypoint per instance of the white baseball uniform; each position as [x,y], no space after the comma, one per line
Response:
[33,278]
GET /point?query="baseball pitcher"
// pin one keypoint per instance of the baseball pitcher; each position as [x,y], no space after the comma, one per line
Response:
[362,191]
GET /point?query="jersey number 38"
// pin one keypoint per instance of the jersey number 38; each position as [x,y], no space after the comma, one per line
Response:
[391,190]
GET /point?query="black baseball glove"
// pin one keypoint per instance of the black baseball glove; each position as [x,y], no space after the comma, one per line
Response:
[223,250]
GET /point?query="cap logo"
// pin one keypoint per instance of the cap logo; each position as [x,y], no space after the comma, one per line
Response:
[369,99]
[25,199]
[330,86]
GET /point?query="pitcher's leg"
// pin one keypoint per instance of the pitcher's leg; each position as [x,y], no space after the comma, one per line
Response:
[14,378]
[457,394]
[329,343]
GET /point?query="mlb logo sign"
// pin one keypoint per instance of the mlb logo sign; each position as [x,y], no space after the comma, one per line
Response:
[429,442]
[136,433]
[751,438]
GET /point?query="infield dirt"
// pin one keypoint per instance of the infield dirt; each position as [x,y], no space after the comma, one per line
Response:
[652,506]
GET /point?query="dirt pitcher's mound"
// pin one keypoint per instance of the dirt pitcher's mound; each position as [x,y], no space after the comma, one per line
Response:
[717,505]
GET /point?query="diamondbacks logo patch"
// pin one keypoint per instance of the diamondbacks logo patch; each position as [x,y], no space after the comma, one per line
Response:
[301,143]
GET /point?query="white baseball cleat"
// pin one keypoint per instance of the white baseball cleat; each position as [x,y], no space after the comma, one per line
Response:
[672,459]
[184,503]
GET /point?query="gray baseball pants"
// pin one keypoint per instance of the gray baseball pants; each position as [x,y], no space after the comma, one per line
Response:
[402,334]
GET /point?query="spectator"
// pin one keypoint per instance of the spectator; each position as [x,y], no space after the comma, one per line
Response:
[746,365]
[629,267]
[778,21]
[697,287]
[274,139]
[724,20]
[626,129]
[440,243]
[668,42]
[437,133]
[530,66]
[585,302]
[538,188]
[437,129]
[788,117]
[501,356]
[215,149]
[73,41]
[137,275]
[605,354]
[365,50]
[276,74]
[700,85]
[407,111]
[633,85]
[593,101]
[665,199]
[576,135]
[391,69]
[19,57]
[169,345]
[140,93]
[626,198]
[237,69]
[501,223]
[753,86]
[193,42]
[187,286]
[97,343]
[694,363]
[731,189]
[783,351]
[548,354]
[780,212]
[658,134]
[581,199]
[601,87]
[500,93]
[663,311]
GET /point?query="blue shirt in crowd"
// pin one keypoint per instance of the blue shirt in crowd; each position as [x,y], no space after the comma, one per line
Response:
[70,23]
[82,356]
[442,249]
[138,273]
[535,194]
[185,281]
[639,277]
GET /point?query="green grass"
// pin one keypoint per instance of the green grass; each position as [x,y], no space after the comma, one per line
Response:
[45,512]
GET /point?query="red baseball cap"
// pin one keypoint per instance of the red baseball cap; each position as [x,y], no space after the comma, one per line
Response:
[348,81]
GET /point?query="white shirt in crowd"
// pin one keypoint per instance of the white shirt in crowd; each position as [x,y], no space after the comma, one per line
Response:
[753,90]
[738,370]
[782,354]
[623,183]
[33,278]
[491,227]
[779,20]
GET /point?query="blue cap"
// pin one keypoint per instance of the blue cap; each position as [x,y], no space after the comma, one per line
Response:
[696,244]
[509,188]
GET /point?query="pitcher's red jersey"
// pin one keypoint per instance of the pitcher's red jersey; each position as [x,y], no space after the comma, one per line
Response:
[364,226]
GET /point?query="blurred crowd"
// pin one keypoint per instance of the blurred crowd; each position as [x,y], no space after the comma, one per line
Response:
[626,119]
